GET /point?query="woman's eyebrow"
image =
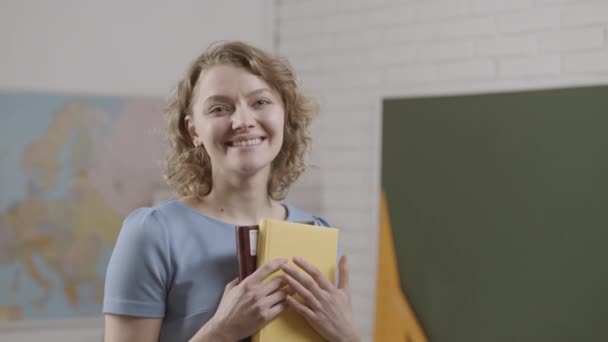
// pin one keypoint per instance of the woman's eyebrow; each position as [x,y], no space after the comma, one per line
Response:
[258,91]
[220,98]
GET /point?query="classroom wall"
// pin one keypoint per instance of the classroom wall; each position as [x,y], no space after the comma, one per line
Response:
[350,53]
[118,47]
[112,47]
[353,53]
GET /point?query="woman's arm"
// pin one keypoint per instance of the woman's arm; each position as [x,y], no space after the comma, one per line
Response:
[136,280]
[119,328]
[211,332]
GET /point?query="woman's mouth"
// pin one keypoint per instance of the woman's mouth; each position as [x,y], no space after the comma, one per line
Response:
[246,142]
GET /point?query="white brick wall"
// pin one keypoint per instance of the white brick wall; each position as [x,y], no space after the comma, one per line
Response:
[352,53]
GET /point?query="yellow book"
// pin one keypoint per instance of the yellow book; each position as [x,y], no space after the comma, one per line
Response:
[317,245]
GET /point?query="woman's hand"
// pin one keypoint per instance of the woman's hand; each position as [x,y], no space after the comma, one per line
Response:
[327,308]
[247,306]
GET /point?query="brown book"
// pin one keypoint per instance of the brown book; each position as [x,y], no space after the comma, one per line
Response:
[246,253]
[246,249]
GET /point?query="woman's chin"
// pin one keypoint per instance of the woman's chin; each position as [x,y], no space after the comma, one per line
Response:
[249,169]
[247,166]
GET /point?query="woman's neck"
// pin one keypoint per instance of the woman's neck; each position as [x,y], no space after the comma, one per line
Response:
[241,200]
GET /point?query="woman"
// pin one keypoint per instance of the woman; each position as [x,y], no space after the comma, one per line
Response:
[238,132]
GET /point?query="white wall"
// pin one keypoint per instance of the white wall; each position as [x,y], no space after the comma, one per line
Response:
[112,47]
[115,47]
[352,53]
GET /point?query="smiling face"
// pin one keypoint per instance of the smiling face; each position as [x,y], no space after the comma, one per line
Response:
[238,118]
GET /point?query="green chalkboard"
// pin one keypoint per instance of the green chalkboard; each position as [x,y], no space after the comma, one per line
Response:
[499,210]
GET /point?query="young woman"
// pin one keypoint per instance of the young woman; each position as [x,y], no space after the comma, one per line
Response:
[238,130]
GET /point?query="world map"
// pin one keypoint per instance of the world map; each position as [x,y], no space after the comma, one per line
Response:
[71,169]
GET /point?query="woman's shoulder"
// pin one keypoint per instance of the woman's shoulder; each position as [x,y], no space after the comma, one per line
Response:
[142,226]
[149,214]
[174,221]
[149,223]
[161,212]
[296,214]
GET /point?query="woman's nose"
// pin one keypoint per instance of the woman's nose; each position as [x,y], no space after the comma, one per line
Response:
[242,118]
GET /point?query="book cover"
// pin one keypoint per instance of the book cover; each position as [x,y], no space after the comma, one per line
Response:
[317,245]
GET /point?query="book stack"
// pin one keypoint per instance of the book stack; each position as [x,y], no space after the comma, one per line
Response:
[273,239]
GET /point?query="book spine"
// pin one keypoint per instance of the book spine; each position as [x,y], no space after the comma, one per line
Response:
[246,244]
[261,259]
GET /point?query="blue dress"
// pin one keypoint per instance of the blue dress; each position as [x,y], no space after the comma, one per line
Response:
[172,262]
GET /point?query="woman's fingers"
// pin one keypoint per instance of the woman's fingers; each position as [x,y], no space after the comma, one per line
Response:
[302,291]
[231,285]
[300,308]
[266,270]
[314,272]
[274,311]
[272,286]
[301,278]
[275,298]
[344,282]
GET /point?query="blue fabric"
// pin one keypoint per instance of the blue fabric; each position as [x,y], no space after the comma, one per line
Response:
[172,262]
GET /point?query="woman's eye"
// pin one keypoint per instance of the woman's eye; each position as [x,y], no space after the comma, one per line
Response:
[262,102]
[217,110]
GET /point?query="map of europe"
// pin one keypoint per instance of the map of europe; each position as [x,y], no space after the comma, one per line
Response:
[71,169]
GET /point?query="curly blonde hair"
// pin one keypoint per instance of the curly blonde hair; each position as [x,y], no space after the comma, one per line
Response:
[188,168]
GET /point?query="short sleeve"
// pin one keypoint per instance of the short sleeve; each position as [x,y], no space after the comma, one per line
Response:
[137,276]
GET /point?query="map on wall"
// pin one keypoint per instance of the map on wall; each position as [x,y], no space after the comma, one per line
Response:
[71,169]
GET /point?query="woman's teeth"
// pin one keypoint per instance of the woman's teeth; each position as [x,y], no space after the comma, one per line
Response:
[248,142]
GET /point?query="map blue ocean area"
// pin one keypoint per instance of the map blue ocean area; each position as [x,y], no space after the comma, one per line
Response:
[71,168]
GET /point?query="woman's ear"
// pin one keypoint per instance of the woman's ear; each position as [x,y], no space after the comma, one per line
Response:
[192,129]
